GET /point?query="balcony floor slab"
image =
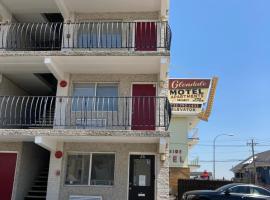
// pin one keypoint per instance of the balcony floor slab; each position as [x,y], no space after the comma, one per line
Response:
[78,135]
[94,52]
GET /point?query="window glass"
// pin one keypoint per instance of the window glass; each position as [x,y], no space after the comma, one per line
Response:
[106,97]
[83,94]
[142,172]
[95,97]
[84,89]
[259,191]
[77,170]
[102,169]
[100,35]
[240,189]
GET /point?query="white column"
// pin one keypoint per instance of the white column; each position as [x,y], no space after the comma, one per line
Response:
[55,174]
[164,9]
[61,107]
[61,103]
[162,89]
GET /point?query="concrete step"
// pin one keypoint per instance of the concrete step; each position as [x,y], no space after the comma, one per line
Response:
[40,182]
[39,187]
[35,197]
[42,178]
[37,193]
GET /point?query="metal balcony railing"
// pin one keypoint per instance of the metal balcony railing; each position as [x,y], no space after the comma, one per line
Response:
[122,113]
[194,162]
[137,36]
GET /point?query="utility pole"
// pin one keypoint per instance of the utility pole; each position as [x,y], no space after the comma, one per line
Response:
[252,144]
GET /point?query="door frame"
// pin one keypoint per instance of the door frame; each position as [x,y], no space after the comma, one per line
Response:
[156,167]
[131,92]
[15,174]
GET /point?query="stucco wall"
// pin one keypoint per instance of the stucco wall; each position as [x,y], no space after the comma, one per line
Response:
[7,87]
[124,80]
[33,160]
[120,189]
[14,147]
[179,141]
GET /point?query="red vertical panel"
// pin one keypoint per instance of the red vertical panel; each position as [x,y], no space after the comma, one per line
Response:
[146,36]
[143,107]
[7,172]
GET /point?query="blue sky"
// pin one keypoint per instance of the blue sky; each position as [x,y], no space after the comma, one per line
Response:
[229,39]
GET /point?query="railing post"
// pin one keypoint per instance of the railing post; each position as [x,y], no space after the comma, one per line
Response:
[69,37]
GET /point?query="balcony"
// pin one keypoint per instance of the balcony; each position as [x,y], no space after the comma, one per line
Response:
[193,138]
[86,36]
[117,113]
[194,164]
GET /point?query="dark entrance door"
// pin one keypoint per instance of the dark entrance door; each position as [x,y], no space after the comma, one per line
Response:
[7,172]
[143,107]
[142,177]
[146,36]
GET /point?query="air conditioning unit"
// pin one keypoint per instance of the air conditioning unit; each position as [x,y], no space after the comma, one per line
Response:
[73,197]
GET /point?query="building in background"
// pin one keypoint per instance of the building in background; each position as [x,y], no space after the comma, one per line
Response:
[191,101]
[201,175]
[84,112]
[244,171]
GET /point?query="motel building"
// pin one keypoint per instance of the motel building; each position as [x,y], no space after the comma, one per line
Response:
[84,113]
[191,102]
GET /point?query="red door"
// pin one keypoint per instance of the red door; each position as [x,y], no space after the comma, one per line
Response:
[146,36]
[143,107]
[7,172]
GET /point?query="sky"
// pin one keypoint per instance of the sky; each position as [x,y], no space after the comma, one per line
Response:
[229,39]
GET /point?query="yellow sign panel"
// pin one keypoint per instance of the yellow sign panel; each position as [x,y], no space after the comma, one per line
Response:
[188,95]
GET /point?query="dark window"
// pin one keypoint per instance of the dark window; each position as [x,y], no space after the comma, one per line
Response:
[102,169]
[77,170]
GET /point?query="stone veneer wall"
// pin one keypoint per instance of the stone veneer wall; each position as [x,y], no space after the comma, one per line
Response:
[120,190]
[14,147]
[175,174]
[125,16]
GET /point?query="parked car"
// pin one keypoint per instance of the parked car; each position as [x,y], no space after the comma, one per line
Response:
[234,191]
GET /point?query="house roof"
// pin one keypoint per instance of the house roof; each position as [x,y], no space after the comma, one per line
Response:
[262,159]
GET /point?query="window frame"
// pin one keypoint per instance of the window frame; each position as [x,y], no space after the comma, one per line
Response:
[99,35]
[95,88]
[90,168]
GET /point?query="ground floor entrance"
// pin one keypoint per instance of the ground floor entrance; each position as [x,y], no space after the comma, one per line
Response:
[7,173]
[142,177]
